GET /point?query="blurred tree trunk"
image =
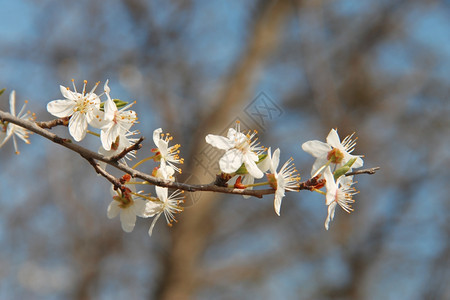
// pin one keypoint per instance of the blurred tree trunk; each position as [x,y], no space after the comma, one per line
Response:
[190,236]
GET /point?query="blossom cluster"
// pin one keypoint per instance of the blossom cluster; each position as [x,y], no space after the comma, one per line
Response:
[334,160]
[114,120]
[244,160]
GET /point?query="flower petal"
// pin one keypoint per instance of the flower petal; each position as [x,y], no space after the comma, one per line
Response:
[316,148]
[96,118]
[12,103]
[150,231]
[330,185]
[106,87]
[264,165]
[275,160]
[333,139]
[109,136]
[319,163]
[139,207]
[153,208]
[113,209]
[157,136]
[163,147]
[231,161]
[231,134]
[66,93]
[78,126]
[252,168]
[358,163]
[127,219]
[161,192]
[110,109]
[279,194]
[126,119]
[330,216]
[61,108]
[219,141]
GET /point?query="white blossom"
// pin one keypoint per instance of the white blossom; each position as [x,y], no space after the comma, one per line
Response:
[82,108]
[286,179]
[115,122]
[338,193]
[8,129]
[168,206]
[165,154]
[240,149]
[128,206]
[333,151]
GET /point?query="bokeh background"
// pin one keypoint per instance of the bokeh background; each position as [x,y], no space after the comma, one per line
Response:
[377,68]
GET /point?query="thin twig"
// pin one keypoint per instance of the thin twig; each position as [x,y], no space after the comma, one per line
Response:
[115,181]
[136,146]
[370,171]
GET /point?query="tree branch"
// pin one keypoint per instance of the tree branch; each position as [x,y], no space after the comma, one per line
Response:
[90,156]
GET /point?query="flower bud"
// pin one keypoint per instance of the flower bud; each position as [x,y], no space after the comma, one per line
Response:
[344,169]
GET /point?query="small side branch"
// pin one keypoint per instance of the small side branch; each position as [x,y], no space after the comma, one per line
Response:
[109,177]
[370,171]
[53,123]
[136,146]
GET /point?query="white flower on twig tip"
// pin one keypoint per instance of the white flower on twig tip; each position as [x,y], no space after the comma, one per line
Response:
[165,154]
[240,149]
[338,193]
[286,179]
[333,151]
[164,204]
[122,142]
[116,122]
[8,129]
[128,206]
[82,108]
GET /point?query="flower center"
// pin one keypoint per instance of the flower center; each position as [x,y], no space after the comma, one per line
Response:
[83,105]
[125,200]
[335,156]
[272,181]
[242,144]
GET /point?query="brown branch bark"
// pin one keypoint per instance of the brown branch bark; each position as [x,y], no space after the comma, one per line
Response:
[91,156]
[53,123]
[113,161]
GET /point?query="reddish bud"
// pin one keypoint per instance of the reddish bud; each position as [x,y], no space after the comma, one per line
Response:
[125,178]
[238,184]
